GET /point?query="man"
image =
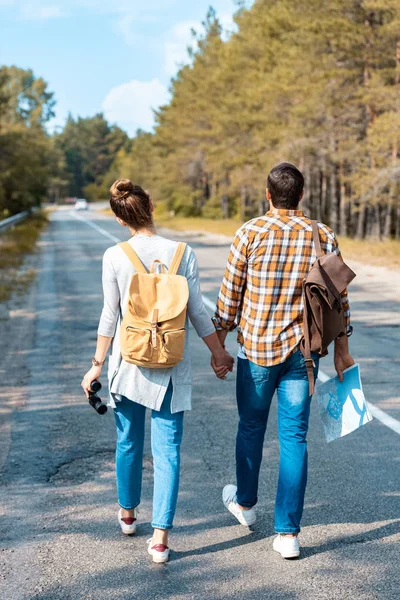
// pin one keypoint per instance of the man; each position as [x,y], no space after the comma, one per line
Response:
[262,288]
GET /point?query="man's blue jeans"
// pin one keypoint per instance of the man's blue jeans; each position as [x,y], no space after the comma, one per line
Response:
[166,438]
[255,388]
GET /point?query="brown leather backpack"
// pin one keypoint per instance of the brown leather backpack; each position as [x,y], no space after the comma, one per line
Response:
[323,315]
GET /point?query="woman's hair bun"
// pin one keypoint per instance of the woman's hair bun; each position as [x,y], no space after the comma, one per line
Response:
[122,186]
[131,203]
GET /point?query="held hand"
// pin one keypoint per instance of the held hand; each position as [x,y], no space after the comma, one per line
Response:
[220,372]
[342,362]
[222,364]
[91,375]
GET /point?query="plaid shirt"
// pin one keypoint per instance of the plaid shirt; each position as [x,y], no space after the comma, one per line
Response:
[262,287]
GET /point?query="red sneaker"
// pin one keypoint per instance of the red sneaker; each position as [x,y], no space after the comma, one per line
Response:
[127,524]
[159,552]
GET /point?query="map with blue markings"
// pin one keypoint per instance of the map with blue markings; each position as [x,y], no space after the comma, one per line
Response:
[342,406]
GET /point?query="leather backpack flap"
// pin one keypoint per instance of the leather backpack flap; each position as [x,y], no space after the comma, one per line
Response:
[337,271]
[325,321]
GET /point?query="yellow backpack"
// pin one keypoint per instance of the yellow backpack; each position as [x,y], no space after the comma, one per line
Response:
[153,328]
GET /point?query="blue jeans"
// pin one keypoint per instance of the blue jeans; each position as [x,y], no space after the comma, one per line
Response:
[166,438]
[255,388]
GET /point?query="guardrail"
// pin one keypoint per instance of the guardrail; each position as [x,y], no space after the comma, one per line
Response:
[6,223]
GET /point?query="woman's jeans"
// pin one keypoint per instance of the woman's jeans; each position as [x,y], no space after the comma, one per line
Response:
[166,437]
[255,387]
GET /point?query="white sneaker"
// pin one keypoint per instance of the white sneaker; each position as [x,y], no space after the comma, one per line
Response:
[159,552]
[245,517]
[287,546]
[128,524]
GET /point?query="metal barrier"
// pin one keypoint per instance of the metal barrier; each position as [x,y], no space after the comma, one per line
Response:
[6,223]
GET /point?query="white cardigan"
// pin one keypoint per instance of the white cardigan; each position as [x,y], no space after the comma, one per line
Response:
[142,385]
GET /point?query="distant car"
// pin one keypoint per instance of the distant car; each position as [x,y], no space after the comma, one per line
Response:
[81,204]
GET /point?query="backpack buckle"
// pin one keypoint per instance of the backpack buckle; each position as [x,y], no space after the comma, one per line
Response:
[308,361]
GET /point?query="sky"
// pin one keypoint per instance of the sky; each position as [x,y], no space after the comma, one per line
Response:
[110,56]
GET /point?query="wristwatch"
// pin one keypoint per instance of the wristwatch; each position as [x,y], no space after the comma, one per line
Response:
[216,323]
[97,363]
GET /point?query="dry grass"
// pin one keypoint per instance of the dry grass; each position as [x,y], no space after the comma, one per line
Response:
[15,244]
[223,226]
[374,252]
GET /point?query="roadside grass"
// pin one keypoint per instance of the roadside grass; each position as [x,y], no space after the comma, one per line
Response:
[15,244]
[382,253]
[374,252]
[222,226]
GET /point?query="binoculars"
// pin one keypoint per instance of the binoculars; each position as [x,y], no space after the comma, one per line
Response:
[94,399]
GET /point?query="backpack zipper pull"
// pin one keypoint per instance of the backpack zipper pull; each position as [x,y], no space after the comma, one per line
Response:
[154,327]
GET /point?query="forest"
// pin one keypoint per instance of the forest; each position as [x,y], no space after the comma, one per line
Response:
[313,82]
[36,166]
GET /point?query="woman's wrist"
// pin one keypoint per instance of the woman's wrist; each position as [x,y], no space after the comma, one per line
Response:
[219,353]
[97,363]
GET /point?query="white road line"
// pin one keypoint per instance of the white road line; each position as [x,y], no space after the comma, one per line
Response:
[376,412]
[95,226]
[384,418]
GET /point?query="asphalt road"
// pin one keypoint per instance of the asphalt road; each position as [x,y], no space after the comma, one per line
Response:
[59,534]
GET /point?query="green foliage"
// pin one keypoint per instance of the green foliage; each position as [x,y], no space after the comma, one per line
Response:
[25,107]
[89,147]
[313,82]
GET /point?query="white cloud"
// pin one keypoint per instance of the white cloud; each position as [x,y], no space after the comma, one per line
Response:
[228,25]
[33,11]
[124,26]
[122,12]
[130,104]
[179,39]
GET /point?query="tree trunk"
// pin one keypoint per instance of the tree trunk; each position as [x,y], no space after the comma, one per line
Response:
[342,203]
[225,206]
[333,209]
[374,225]
[398,220]
[324,193]
[263,206]
[350,220]
[318,208]
[362,213]
[387,230]
[243,202]
[389,212]
[307,190]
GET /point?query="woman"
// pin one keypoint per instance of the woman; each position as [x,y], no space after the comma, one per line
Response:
[166,391]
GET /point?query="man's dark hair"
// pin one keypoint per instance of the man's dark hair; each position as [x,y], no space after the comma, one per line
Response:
[285,183]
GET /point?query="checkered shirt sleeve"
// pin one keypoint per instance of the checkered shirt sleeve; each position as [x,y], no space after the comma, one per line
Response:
[231,293]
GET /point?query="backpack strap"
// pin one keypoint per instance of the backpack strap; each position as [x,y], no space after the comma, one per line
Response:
[133,257]
[316,238]
[306,344]
[177,259]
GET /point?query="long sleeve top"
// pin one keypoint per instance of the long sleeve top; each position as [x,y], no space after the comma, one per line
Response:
[262,287]
[140,384]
